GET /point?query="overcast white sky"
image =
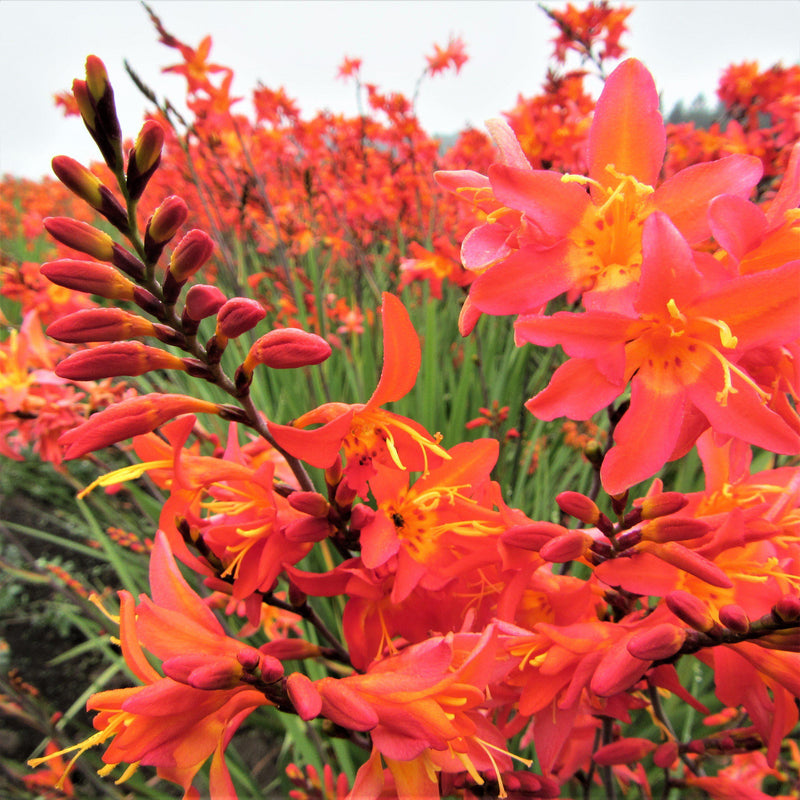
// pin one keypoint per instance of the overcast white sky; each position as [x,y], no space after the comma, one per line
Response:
[299,45]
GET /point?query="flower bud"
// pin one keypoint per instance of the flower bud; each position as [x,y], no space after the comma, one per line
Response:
[291,649]
[90,277]
[192,252]
[81,182]
[660,505]
[660,641]
[102,122]
[734,618]
[690,610]
[115,360]
[100,325]
[678,529]
[787,609]
[287,348]
[688,560]
[579,506]
[312,503]
[249,658]
[567,547]
[346,707]
[237,316]
[665,755]
[308,529]
[623,751]
[165,222]
[81,236]
[361,516]
[271,668]
[144,158]
[533,536]
[202,301]
[304,696]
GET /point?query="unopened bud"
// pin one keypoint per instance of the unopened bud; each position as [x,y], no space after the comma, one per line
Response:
[690,610]
[345,495]
[144,158]
[567,547]
[787,609]
[271,668]
[533,536]
[665,755]
[81,236]
[81,182]
[659,505]
[165,222]
[361,516]
[579,506]
[100,325]
[734,618]
[90,277]
[202,300]
[689,561]
[249,658]
[304,696]
[346,707]
[623,751]
[291,649]
[237,316]
[308,529]
[192,252]
[115,360]
[287,348]
[104,126]
[311,503]
[660,641]
[677,529]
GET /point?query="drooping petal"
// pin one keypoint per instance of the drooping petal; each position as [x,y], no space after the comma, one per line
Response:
[523,282]
[401,354]
[641,447]
[504,137]
[627,131]
[318,447]
[577,390]
[685,196]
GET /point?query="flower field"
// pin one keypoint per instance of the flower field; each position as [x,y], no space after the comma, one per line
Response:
[341,463]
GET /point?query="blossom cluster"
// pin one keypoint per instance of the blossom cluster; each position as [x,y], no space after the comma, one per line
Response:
[479,651]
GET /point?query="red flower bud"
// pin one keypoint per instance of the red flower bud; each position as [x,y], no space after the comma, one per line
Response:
[81,182]
[308,529]
[304,696]
[130,418]
[249,658]
[165,222]
[189,256]
[567,547]
[202,301]
[623,751]
[100,325]
[688,560]
[690,610]
[579,506]
[144,158]
[677,529]
[96,77]
[345,707]
[114,360]
[533,536]
[102,122]
[80,236]
[271,669]
[237,316]
[617,671]
[734,618]
[659,505]
[660,641]
[287,348]
[666,755]
[89,277]
[787,609]
[312,503]
[290,649]
[361,516]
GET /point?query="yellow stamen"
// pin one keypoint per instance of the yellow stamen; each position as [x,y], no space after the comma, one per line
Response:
[130,473]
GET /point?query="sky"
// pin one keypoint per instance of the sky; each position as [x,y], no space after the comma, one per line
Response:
[299,45]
